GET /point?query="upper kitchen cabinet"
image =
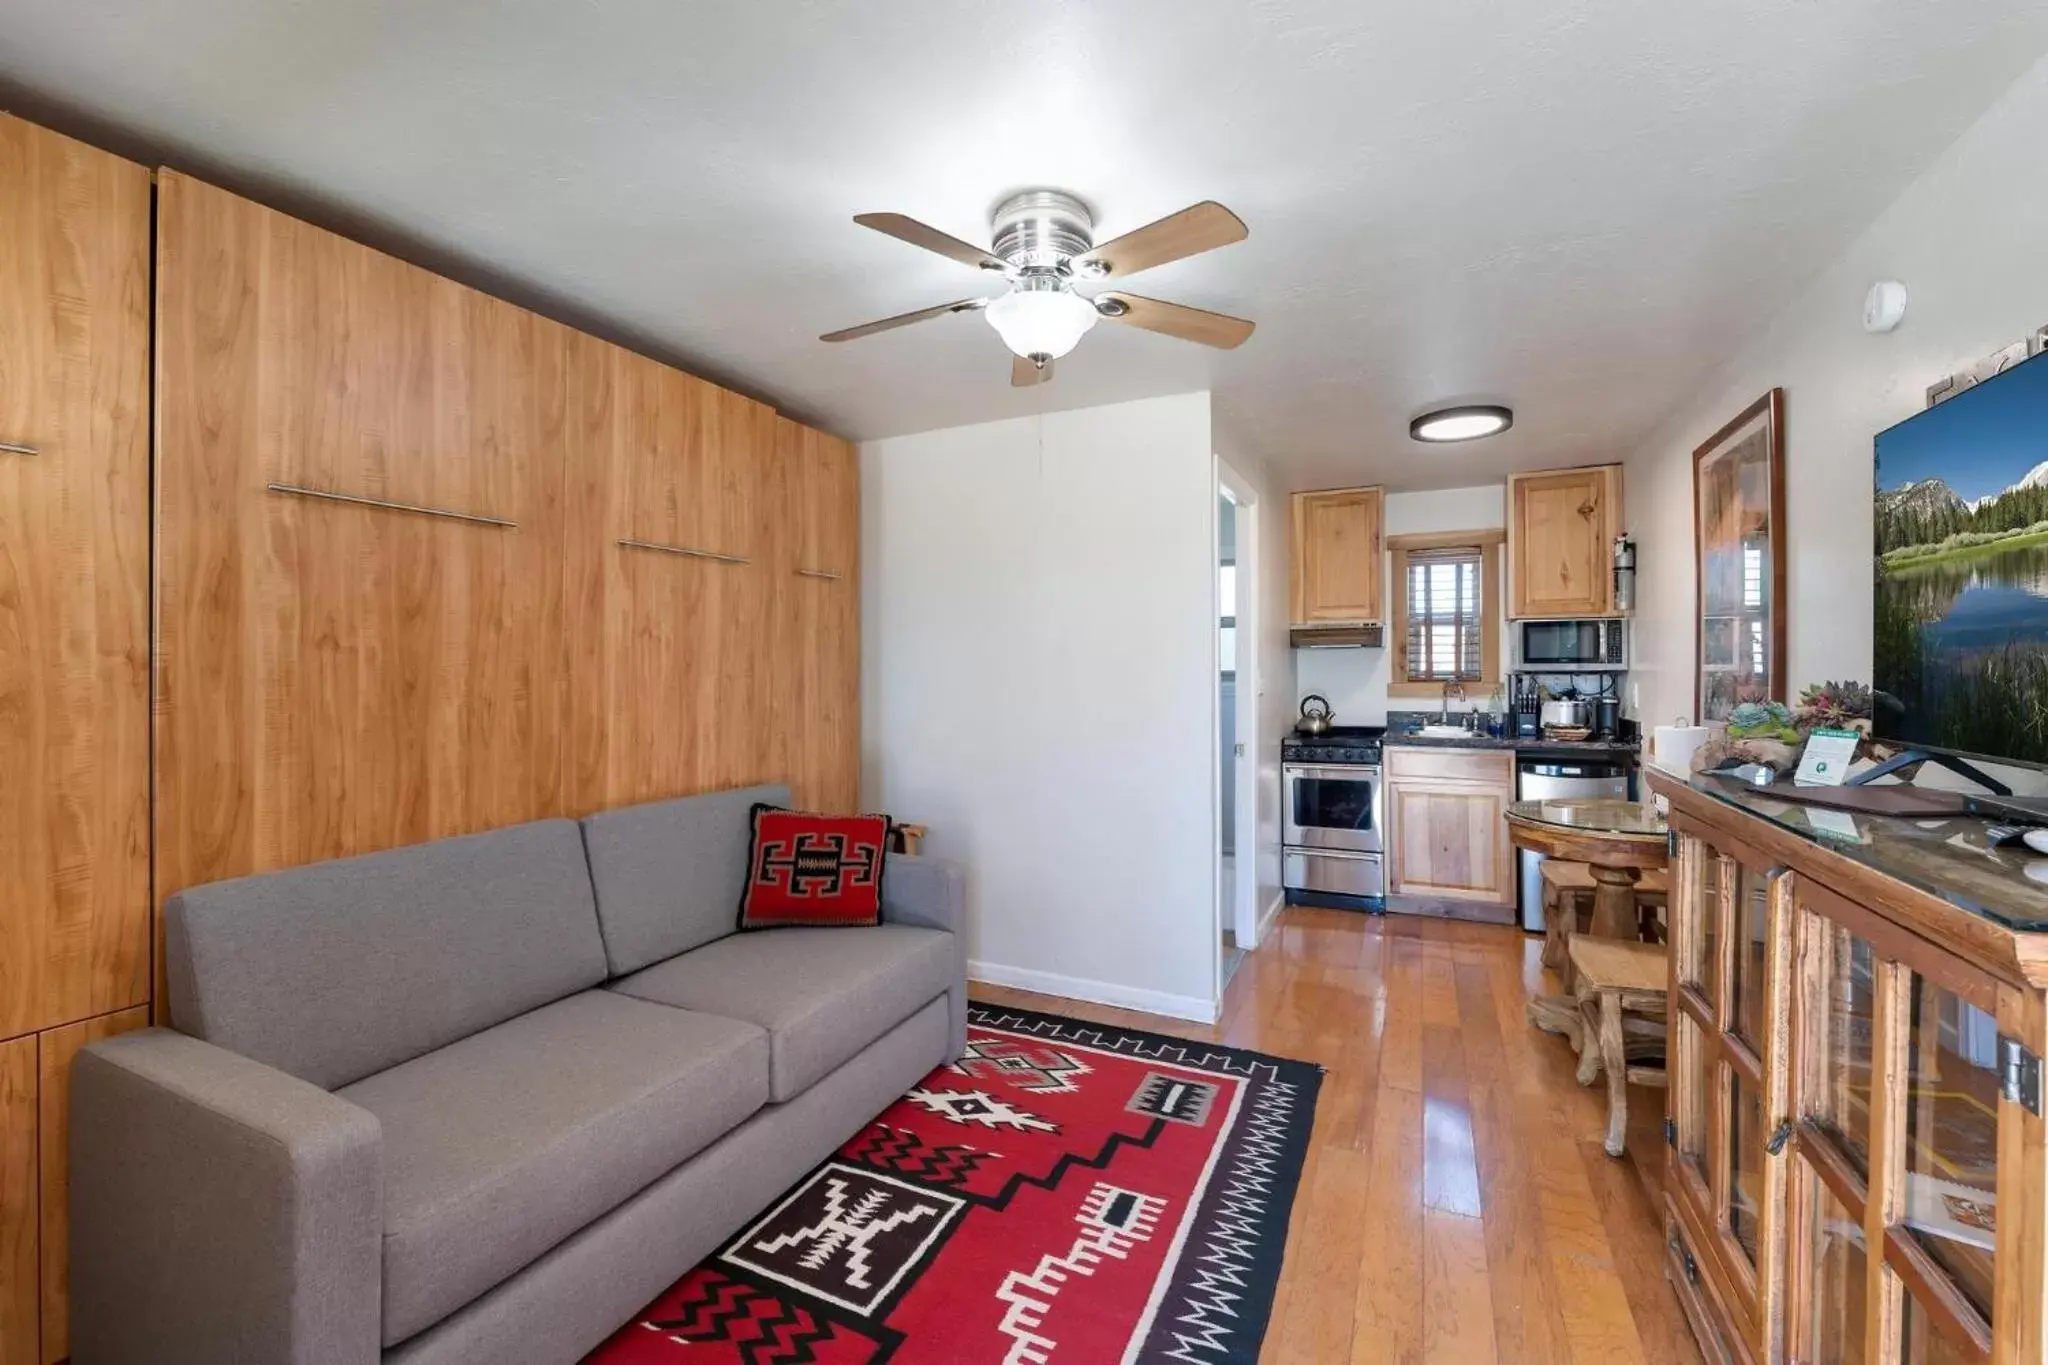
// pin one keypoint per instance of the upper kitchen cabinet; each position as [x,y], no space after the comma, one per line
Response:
[1339,539]
[1561,529]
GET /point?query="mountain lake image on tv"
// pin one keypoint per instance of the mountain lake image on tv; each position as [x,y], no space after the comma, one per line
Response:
[1961,630]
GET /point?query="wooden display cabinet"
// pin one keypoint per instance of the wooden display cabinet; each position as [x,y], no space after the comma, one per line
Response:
[1857,1154]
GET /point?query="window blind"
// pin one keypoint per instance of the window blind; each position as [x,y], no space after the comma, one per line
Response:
[1444,615]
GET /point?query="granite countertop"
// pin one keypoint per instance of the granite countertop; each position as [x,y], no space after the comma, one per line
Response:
[1404,740]
[1401,725]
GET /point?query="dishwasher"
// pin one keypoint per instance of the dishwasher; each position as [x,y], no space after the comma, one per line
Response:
[1551,779]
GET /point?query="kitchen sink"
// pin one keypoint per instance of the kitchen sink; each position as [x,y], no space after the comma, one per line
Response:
[1443,732]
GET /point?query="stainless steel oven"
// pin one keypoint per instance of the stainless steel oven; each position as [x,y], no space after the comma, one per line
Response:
[1596,646]
[1331,806]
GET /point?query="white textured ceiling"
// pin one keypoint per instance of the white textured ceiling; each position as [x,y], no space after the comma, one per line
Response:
[1576,207]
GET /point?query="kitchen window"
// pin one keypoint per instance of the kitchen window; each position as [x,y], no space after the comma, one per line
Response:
[1446,612]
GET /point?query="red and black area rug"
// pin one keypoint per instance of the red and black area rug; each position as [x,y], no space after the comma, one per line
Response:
[1066,1192]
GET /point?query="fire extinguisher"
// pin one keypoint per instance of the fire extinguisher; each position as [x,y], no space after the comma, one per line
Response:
[1624,574]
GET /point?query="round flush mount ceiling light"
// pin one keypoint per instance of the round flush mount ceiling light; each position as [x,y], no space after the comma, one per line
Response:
[1039,321]
[1466,422]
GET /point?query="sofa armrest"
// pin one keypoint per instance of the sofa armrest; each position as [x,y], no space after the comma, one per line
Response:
[928,892]
[931,893]
[221,1211]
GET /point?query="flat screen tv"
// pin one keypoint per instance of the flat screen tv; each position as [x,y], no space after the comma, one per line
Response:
[1961,629]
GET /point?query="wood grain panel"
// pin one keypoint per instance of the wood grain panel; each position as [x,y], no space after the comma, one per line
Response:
[825,766]
[1448,844]
[74,564]
[1488,767]
[1338,565]
[669,671]
[1561,529]
[334,678]
[20,1200]
[56,1048]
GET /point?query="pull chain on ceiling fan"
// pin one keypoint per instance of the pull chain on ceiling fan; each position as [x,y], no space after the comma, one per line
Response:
[1043,243]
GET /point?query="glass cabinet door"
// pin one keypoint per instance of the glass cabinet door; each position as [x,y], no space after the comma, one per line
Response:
[1733,922]
[1896,1092]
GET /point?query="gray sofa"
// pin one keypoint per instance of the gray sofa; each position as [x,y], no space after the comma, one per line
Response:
[481,1099]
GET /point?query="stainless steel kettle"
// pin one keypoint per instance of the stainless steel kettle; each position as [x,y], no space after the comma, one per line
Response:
[1315,716]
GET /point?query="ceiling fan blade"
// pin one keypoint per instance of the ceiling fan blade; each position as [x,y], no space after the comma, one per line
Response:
[868,329]
[930,238]
[1175,320]
[1026,373]
[1204,227]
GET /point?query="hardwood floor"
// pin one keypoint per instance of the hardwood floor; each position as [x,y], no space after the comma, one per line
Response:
[1456,1206]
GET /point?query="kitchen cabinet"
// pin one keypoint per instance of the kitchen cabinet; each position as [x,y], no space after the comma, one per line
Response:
[1447,833]
[1562,524]
[1339,574]
[1857,1155]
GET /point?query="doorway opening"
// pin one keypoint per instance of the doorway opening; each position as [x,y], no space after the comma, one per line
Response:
[1237,716]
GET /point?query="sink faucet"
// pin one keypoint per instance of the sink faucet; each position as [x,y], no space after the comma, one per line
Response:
[1451,686]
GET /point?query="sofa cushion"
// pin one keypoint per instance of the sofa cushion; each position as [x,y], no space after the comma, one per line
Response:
[822,994]
[341,969]
[669,873]
[499,1146]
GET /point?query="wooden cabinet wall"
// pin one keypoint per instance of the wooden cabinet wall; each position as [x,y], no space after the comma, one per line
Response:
[613,613]
[1447,833]
[426,563]
[1561,529]
[1339,573]
[74,665]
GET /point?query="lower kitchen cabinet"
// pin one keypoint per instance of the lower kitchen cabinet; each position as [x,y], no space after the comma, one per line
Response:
[1447,833]
[1859,1166]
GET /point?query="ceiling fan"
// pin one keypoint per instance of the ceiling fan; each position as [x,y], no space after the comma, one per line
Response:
[1043,244]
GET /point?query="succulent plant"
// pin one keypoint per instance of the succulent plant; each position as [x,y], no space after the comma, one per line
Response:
[1762,720]
[1834,706]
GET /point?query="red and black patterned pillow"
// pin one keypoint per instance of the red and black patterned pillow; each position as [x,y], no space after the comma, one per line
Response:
[819,870]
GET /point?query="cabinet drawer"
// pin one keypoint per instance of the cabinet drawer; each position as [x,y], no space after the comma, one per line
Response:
[1488,767]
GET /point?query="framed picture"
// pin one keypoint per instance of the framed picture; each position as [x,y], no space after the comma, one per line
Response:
[1738,501]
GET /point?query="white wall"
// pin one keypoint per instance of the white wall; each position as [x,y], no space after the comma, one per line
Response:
[1277,700]
[1038,659]
[1970,240]
[1355,680]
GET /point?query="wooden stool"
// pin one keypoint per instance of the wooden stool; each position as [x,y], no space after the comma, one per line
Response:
[1616,980]
[1653,892]
[1567,892]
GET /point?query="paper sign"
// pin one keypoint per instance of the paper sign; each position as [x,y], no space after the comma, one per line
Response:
[1827,758]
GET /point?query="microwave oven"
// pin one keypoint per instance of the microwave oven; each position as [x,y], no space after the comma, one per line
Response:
[1598,646]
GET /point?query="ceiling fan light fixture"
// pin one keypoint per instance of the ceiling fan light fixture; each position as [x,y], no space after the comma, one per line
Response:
[1035,322]
[1465,422]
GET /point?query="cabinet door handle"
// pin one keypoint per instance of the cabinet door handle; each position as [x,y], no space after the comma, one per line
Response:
[681,550]
[327,496]
[820,573]
[1779,1138]
[10,448]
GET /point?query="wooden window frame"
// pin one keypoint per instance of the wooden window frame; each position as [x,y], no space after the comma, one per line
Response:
[1491,587]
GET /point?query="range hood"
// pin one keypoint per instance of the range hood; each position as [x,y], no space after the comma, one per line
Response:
[1371,636]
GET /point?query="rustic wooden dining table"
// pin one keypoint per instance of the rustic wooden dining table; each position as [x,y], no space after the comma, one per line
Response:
[1618,841]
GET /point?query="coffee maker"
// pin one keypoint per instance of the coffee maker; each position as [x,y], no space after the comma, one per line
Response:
[1607,718]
